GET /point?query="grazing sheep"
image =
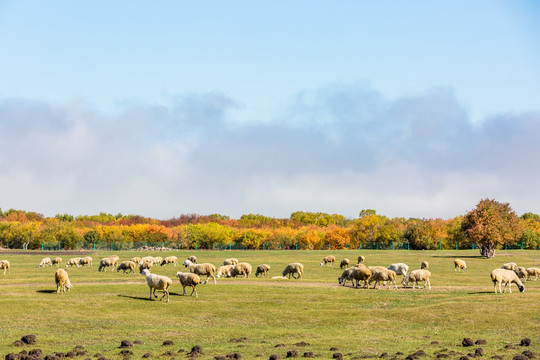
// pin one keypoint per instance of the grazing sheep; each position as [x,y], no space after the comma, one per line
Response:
[345,276]
[73,262]
[508,277]
[57,261]
[105,263]
[360,273]
[231,261]
[86,261]
[148,259]
[521,272]
[45,261]
[202,269]
[224,270]
[533,271]
[509,266]
[418,275]
[361,259]
[189,279]
[157,282]
[4,265]
[293,268]
[460,265]
[170,260]
[262,270]
[62,281]
[158,260]
[399,268]
[125,266]
[376,268]
[193,259]
[145,265]
[424,265]
[384,276]
[135,259]
[328,260]
[344,263]
[242,268]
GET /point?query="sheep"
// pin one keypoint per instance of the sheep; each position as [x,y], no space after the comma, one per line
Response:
[62,281]
[45,261]
[202,269]
[105,263]
[359,273]
[508,277]
[328,260]
[231,261]
[460,265]
[86,261]
[4,264]
[345,276]
[56,261]
[224,270]
[376,268]
[361,259]
[509,266]
[189,279]
[135,259]
[170,260]
[399,268]
[521,272]
[384,276]
[424,265]
[145,265]
[157,282]
[418,275]
[344,263]
[125,266]
[293,268]
[533,271]
[193,259]
[73,262]
[158,260]
[148,259]
[242,268]
[262,270]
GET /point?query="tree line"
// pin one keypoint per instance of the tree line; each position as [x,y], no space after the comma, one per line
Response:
[491,225]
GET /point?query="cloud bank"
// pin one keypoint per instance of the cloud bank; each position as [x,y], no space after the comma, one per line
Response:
[337,149]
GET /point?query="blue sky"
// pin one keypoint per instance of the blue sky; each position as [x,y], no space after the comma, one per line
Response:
[415,109]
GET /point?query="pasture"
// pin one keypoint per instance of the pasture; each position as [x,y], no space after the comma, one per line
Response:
[251,316]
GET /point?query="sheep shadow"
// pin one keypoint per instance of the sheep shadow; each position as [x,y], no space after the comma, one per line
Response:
[146,298]
[480,292]
[46,291]
[461,256]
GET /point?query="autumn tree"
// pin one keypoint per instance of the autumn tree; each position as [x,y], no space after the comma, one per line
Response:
[491,224]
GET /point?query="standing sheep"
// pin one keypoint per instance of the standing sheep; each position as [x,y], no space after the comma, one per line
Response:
[328,260]
[224,271]
[360,273]
[345,276]
[460,265]
[57,261]
[399,268]
[262,270]
[135,259]
[170,260]
[145,265]
[193,259]
[4,265]
[231,261]
[509,266]
[189,279]
[86,261]
[344,263]
[384,276]
[418,275]
[361,259]
[242,268]
[424,265]
[202,269]
[62,281]
[533,271]
[293,268]
[105,263]
[157,282]
[45,261]
[125,266]
[73,262]
[521,272]
[508,277]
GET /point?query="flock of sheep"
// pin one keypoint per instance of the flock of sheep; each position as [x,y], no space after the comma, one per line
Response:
[508,274]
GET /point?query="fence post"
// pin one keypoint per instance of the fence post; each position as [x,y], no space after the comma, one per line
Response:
[94,245]
[230,246]
[179,245]
[7,244]
[111,246]
[522,245]
[377,245]
[456,245]
[392,246]
[328,246]
[41,246]
[361,243]
[440,245]
[196,246]
[296,246]
[213,245]
[77,245]
[264,246]
[473,246]
[280,246]
[505,247]
[408,246]
[59,245]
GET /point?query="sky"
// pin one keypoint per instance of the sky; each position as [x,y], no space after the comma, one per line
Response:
[414,109]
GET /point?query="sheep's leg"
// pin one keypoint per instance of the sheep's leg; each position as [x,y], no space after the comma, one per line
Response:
[195,291]
[215,282]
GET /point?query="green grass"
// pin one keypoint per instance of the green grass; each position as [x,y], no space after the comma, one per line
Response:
[104,308]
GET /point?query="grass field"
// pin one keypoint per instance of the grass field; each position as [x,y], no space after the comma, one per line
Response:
[102,309]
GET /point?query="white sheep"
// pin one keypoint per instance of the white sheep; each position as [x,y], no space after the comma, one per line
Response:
[424,265]
[45,261]
[57,261]
[107,262]
[460,265]
[61,279]
[170,260]
[345,276]
[224,271]
[242,268]
[202,269]
[384,276]
[418,275]
[157,282]
[293,268]
[73,262]
[87,260]
[125,266]
[360,273]
[399,268]
[231,261]
[509,266]
[508,277]
[189,279]
[135,259]
[344,263]
[361,259]
[328,260]
[158,260]
[4,265]
[521,272]
[147,259]
[533,271]
[262,270]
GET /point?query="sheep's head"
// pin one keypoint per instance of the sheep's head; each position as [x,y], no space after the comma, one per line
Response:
[145,272]
[179,273]
[186,263]
[521,288]
[69,286]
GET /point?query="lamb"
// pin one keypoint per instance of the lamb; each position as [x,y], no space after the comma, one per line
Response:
[460,265]
[293,268]
[361,259]
[345,276]
[399,268]
[157,282]
[62,281]
[533,271]
[125,266]
[521,272]
[384,276]
[418,275]
[509,266]
[231,261]
[105,263]
[202,269]
[508,277]
[135,259]
[45,261]
[224,270]
[328,260]
[56,261]
[86,261]
[170,260]
[344,263]
[262,270]
[4,264]
[242,268]
[424,265]
[189,279]
[73,262]
[359,273]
